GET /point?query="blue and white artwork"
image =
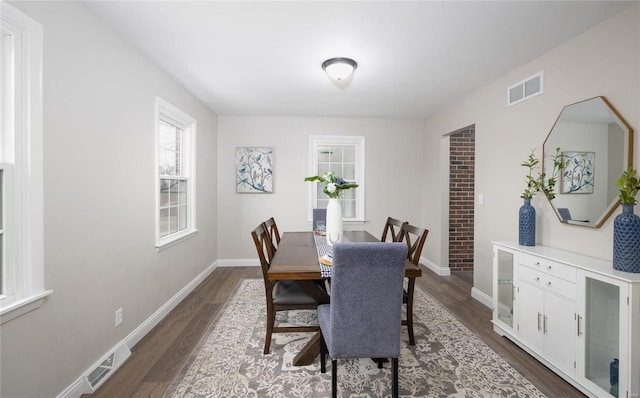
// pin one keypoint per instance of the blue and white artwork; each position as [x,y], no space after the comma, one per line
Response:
[577,176]
[254,170]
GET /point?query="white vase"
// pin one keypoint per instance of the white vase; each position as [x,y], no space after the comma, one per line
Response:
[334,222]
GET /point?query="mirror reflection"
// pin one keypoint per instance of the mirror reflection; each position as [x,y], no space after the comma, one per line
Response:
[596,147]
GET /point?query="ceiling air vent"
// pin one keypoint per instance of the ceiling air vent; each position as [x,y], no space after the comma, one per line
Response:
[525,89]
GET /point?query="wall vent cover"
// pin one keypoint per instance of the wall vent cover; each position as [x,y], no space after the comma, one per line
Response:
[106,366]
[525,89]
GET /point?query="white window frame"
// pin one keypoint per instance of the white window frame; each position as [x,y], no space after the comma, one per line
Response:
[21,161]
[176,117]
[317,141]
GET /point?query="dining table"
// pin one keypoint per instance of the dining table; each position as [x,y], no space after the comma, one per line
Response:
[298,258]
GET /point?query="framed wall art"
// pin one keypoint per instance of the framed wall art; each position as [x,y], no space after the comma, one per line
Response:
[254,170]
[577,176]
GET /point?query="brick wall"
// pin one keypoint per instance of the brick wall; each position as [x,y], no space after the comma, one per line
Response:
[461,199]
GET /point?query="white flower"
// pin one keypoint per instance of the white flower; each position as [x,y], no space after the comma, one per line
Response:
[331,187]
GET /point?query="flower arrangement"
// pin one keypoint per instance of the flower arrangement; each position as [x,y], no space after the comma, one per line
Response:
[541,182]
[629,186]
[333,185]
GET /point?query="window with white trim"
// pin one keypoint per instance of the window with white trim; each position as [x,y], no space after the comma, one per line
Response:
[175,172]
[344,156]
[21,183]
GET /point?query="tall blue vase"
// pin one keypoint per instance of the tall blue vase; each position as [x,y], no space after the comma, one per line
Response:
[626,240]
[527,235]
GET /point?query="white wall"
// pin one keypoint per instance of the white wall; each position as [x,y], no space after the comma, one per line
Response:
[394,166]
[602,61]
[99,202]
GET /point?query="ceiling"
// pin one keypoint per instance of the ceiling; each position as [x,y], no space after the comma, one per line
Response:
[414,58]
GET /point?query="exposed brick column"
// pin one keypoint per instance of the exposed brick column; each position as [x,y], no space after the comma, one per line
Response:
[461,199]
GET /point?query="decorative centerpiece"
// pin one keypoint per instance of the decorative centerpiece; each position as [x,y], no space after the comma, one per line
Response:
[626,226]
[541,182]
[333,187]
[527,213]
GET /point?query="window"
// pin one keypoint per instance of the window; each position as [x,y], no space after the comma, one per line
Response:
[175,153]
[344,155]
[21,188]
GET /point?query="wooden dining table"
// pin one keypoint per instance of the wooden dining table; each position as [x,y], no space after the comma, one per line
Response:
[297,259]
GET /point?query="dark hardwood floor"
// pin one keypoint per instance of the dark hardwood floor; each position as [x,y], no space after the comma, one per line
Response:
[157,358]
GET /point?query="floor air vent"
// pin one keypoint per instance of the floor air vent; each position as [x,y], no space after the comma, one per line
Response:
[100,372]
[525,89]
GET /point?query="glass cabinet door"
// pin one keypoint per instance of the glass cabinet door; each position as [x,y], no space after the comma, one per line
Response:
[505,267]
[601,334]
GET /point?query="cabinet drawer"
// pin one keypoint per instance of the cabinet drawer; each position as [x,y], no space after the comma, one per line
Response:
[548,282]
[548,267]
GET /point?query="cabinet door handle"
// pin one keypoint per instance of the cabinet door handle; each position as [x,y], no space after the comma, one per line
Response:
[544,322]
[537,278]
[539,323]
[548,267]
[549,283]
[579,331]
[537,263]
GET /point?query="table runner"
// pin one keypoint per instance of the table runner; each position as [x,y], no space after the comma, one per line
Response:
[323,248]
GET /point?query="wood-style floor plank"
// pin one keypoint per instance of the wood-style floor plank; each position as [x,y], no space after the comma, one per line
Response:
[159,356]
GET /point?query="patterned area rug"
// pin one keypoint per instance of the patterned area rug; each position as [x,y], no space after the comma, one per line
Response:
[448,360]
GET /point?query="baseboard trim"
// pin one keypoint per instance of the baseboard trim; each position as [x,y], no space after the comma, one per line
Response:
[441,271]
[483,298]
[247,262]
[80,386]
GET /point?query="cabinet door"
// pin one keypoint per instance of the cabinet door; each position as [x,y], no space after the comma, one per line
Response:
[560,331]
[531,315]
[503,287]
[603,334]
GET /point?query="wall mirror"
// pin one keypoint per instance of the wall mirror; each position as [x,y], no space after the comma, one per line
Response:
[596,144]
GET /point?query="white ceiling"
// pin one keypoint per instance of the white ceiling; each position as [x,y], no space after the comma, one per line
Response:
[414,58]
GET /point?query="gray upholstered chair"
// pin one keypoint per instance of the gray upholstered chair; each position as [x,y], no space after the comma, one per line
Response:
[318,214]
[363,318]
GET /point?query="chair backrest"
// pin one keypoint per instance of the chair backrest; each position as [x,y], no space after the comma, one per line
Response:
[414,238]
[264,247]
[392,226]
[366,299]
[318,214]
[272,230]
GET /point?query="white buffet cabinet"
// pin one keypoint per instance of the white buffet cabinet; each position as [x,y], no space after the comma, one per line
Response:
[574,313]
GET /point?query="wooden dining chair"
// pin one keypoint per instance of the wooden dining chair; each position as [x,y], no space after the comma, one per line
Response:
[392,227]
[363,318]
[280,295]
[272,229]
[414,238]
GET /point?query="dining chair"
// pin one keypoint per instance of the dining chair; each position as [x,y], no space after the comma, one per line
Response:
[272,229]
[392,226]
[363,318]
[280,295]
[318,214]
[414,238]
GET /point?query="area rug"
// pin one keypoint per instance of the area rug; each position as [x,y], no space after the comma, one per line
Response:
[448,360]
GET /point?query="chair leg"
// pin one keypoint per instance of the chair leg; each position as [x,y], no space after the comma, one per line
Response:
[323,354]
[271,320]
[395,377]
[334,378]
[410,288]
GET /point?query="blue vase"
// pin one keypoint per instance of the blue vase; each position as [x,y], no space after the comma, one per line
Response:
[527,235]
[626,240]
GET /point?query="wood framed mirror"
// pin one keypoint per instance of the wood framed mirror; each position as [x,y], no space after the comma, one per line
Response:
[596,144]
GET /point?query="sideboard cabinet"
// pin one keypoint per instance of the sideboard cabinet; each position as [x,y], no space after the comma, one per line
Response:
[574,313]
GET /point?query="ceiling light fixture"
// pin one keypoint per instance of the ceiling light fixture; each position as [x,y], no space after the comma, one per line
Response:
[339,68]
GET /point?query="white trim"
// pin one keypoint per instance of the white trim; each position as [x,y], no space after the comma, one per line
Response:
[439,270]
[80,386]
[482,297]
[248,262]
[27,158]
[20,307]
[359,142]
[164,110]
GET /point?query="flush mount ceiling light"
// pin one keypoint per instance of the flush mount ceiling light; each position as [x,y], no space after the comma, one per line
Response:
[339,68]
